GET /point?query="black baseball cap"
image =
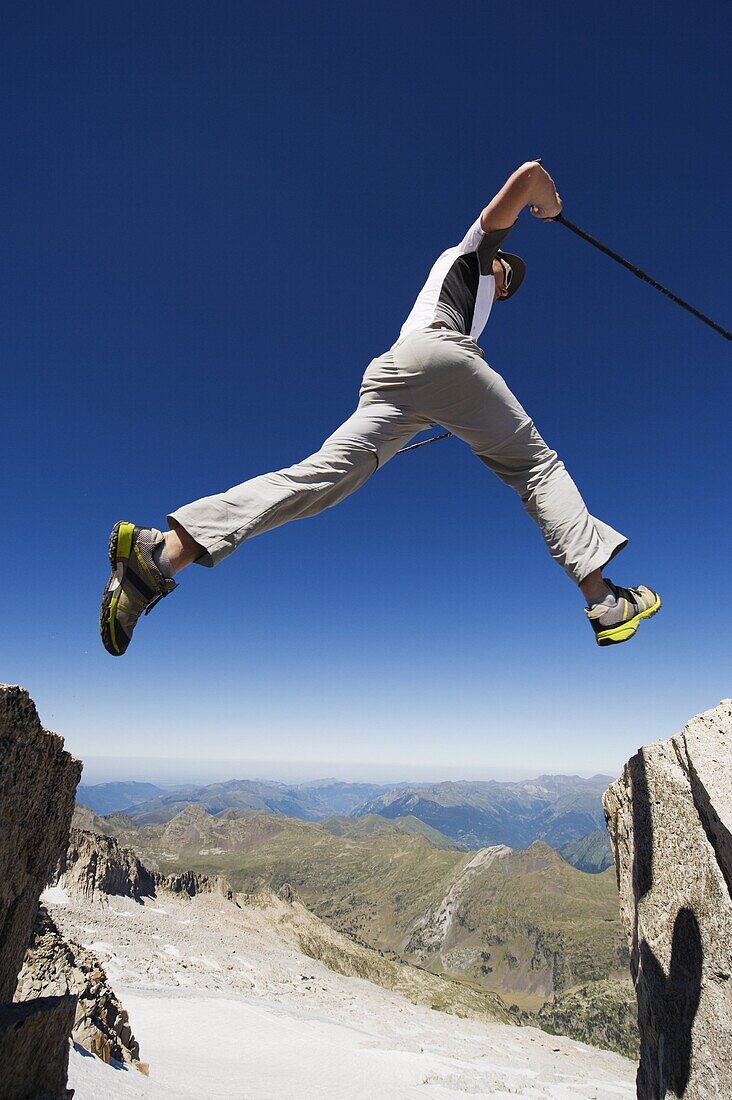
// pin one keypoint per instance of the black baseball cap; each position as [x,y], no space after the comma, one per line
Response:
[518,270]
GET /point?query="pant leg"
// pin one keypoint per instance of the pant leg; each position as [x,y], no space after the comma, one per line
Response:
[368,439]
[462,392]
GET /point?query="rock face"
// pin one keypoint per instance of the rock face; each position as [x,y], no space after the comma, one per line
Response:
[191,883]
[94,867]
[670,820]
[34,1049]
[56,965]
[38,782]
[37,786]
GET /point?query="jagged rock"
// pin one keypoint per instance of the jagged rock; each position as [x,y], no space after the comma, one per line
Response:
[38,782]
[670,820]
[94,866]
[286,893]
[191,883]
[37,785]
[34,1048]
[57,965]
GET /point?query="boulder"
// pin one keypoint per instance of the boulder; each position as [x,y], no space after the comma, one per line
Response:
[669,817]
[192,884]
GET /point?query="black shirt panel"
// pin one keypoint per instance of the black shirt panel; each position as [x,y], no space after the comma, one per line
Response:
[489,246]
[459,289]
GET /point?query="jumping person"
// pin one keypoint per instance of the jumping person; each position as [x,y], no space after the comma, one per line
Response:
[434,374]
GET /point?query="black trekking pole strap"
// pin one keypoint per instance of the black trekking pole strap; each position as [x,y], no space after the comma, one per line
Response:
[642,275]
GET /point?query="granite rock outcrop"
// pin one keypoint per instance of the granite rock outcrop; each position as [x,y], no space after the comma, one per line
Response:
[38,780]
[669,816]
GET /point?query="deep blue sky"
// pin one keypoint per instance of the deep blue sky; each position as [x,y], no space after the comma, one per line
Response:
[214,216]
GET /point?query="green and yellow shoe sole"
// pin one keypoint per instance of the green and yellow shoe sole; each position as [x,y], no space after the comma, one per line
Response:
[120,548]
[612,635]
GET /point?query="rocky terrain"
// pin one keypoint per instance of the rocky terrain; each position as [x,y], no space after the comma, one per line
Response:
[252,994]
[312,935]
[670,818]
[232,967]
[94,866]
[525,925]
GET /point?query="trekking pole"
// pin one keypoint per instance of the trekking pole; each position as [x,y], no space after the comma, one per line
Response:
[641,275]
[414,446]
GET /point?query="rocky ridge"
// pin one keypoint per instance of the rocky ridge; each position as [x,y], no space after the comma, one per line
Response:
[94,867]
[80,882]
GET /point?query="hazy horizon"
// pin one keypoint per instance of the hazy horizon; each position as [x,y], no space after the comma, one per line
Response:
[172,772]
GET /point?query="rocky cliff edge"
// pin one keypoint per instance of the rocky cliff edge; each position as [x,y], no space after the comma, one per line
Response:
[38,780]
[669,816]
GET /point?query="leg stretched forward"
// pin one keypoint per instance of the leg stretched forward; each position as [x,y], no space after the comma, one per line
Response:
[144,560]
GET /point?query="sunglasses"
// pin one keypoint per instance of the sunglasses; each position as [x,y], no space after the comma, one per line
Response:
[507,272]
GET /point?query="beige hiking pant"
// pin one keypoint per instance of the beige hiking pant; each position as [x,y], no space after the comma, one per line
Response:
[433,376]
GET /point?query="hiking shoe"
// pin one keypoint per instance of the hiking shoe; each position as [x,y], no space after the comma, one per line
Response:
[136,584]
[618,623]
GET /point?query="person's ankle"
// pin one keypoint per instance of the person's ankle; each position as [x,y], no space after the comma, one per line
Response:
[596,590]
[180,549]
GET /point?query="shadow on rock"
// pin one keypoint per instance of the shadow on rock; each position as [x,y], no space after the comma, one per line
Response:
[667,1006]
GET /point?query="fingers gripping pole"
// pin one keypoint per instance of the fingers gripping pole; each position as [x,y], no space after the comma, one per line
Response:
[642,275]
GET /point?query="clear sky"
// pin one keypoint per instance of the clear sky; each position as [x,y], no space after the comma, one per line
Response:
[214,216]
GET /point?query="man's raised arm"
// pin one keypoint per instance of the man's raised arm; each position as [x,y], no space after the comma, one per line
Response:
[530,185]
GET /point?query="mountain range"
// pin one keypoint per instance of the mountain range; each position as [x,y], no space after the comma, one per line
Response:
[557,809]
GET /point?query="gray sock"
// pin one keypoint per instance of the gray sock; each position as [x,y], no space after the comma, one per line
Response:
[161,559]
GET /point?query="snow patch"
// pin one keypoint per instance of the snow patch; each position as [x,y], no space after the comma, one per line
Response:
[224,1005]
[245,1048]
[55,895]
